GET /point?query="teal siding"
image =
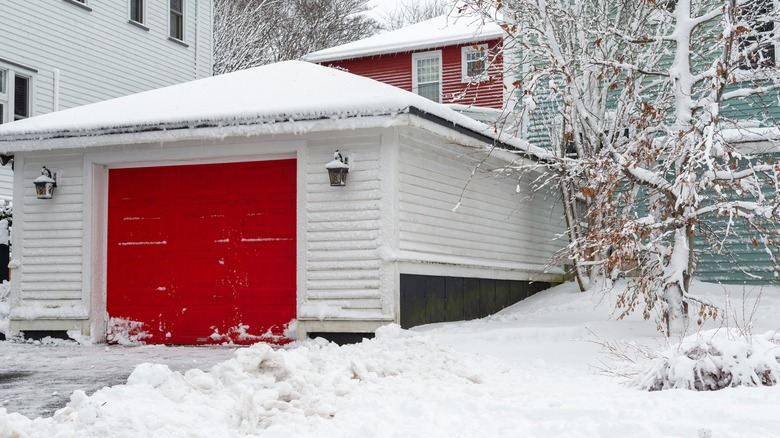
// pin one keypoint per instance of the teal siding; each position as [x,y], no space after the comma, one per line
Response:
[733,252]
[762,109]
[734,259]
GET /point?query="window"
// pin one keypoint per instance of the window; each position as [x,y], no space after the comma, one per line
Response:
[80,3]
[756,48]
[177,19]
[21,97]
[426,75]
[3,94]
[474,62]
[137,11]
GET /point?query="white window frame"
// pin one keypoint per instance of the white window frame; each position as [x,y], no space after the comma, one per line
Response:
[426,55]
[4,96]
[183,21]
[464,70]
[8,98]
[83,4]
[143,11]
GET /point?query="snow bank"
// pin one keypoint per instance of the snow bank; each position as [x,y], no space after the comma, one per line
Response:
[715,359]
[299,391]
[5,309]
[527,371]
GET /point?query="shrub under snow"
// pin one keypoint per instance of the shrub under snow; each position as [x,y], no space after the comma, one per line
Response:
[715,359]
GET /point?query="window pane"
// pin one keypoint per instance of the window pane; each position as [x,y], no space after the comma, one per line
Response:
[137,10]
[176,5]
[757,48]
[475,63]
[3,75]
[21,97]
[429,91]
[2,113]
[176,28]
[427,70]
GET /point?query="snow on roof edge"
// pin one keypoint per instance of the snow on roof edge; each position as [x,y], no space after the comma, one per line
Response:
[378,51]
[165,134]
[172,126]
[438,31]
[216,131]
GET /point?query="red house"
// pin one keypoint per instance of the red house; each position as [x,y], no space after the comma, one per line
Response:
[448,60]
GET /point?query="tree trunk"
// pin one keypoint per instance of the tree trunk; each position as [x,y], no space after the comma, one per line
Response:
[574,231]
[677,279]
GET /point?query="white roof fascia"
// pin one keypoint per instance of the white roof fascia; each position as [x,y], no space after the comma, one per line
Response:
[167,134]
[299,127]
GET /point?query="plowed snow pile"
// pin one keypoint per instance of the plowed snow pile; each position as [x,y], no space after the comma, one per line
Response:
[525,372]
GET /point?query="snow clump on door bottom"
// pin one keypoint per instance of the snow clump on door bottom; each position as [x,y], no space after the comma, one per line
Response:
[715,359]
[299,389]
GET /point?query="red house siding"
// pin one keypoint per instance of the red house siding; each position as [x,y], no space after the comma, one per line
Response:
[396,69]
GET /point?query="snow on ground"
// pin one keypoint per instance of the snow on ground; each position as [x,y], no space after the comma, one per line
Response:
[526,371]
[36,379]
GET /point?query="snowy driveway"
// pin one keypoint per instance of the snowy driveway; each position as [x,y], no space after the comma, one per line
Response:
[36,379]
[524,372]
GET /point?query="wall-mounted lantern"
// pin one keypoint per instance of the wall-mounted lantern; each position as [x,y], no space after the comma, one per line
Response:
[338,169]
[45,184]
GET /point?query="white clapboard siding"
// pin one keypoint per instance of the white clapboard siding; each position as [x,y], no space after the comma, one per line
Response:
[343,267]
[53,230]
[74,56]
[6,183]
[492,226]
[98,53]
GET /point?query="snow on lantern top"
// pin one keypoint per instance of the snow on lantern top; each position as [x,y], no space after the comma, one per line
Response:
[338,169]
[45,184]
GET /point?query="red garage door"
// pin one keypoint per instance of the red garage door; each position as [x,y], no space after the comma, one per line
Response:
[202,254]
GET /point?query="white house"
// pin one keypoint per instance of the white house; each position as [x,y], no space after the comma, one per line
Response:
[59,54]
[204,212]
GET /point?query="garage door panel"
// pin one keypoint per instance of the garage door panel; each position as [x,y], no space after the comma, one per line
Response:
[131,227]
[258,228]
[201,228]
[125,190]
[186,262]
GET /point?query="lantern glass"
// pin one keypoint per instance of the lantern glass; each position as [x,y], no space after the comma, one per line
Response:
[44,189]
[338,176]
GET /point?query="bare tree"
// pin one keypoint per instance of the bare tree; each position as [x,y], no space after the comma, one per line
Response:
[409,12]
[654,112]
[249,33]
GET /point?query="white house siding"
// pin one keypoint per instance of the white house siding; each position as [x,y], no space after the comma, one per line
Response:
[494,233]
[6,183]
[347,278]
[74,56]
[98,53]
[48,237]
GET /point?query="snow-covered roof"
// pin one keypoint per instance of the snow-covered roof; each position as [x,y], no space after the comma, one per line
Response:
[278,98]
[444,30]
